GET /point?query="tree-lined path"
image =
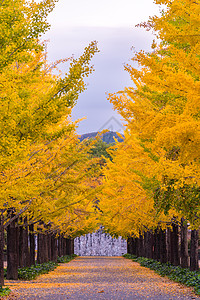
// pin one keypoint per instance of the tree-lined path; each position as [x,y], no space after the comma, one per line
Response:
[101,278]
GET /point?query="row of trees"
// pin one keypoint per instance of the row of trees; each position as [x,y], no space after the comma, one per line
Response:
[153,182]
[47,176]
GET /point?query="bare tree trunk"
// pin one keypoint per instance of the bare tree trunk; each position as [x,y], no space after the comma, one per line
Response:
[21,247]
[49,246]
[175,258]
[62,246]
[184,245]
[72,246]
[146,246]
[129,250]
[1,252]
[26,246]
[12,250]
[194,263]
[156,253]
[141,246]
[137,251]
[150,244]
[54,249]
[163,246]
[68,246]
[168,244]
[59,246]
[32,244]
[45,248]
[40,249]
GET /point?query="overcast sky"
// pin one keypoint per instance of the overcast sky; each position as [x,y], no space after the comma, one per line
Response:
[74,24]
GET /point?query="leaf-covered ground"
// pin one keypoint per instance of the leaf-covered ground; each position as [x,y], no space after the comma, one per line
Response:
[111,278]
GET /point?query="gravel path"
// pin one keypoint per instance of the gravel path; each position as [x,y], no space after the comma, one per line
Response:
[112,278]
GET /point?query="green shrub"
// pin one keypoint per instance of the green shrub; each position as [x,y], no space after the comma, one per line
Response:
[4,291]
[32,272]
[66,258]
[176,273]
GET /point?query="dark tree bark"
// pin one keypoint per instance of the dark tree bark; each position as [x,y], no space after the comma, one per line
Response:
[21,247]
[132,245]
[194,263]
[26,246]
[32,244]
[54,248]
[1,252]
[137,247]
[12,251]
[72,246]
[156,248]
[40,250]
[168,245]
[174,246]
[45,248]
[184,244]
[59,246]
[141,246]
[163,246]
[68,246]
[146,246]
[150,245]
[49,246]
[129,245]
[24,252]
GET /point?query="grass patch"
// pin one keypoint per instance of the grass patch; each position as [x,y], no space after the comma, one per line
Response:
[4,292]
[178,274]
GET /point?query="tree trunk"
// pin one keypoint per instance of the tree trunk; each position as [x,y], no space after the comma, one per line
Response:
[26,246]
[163,246]
[54,249]
[141,246]
[68,246]
[129,245]
[40,249]
[194,263]
[132,245]
[150,244]
[72,246]
[146,246]
[45,248]
[63,245]
[169,244]
[174,246]
[137,247]
[184,244]
[32,244]
[59,246]
[49,246]
[156,252]
[21,247]
[12,251]
[1,252]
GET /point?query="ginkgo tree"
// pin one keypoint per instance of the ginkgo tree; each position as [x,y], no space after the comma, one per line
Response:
[162,113]
[35,112]
[163,109]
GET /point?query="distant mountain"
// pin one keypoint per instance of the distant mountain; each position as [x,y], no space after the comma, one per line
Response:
[107,137]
